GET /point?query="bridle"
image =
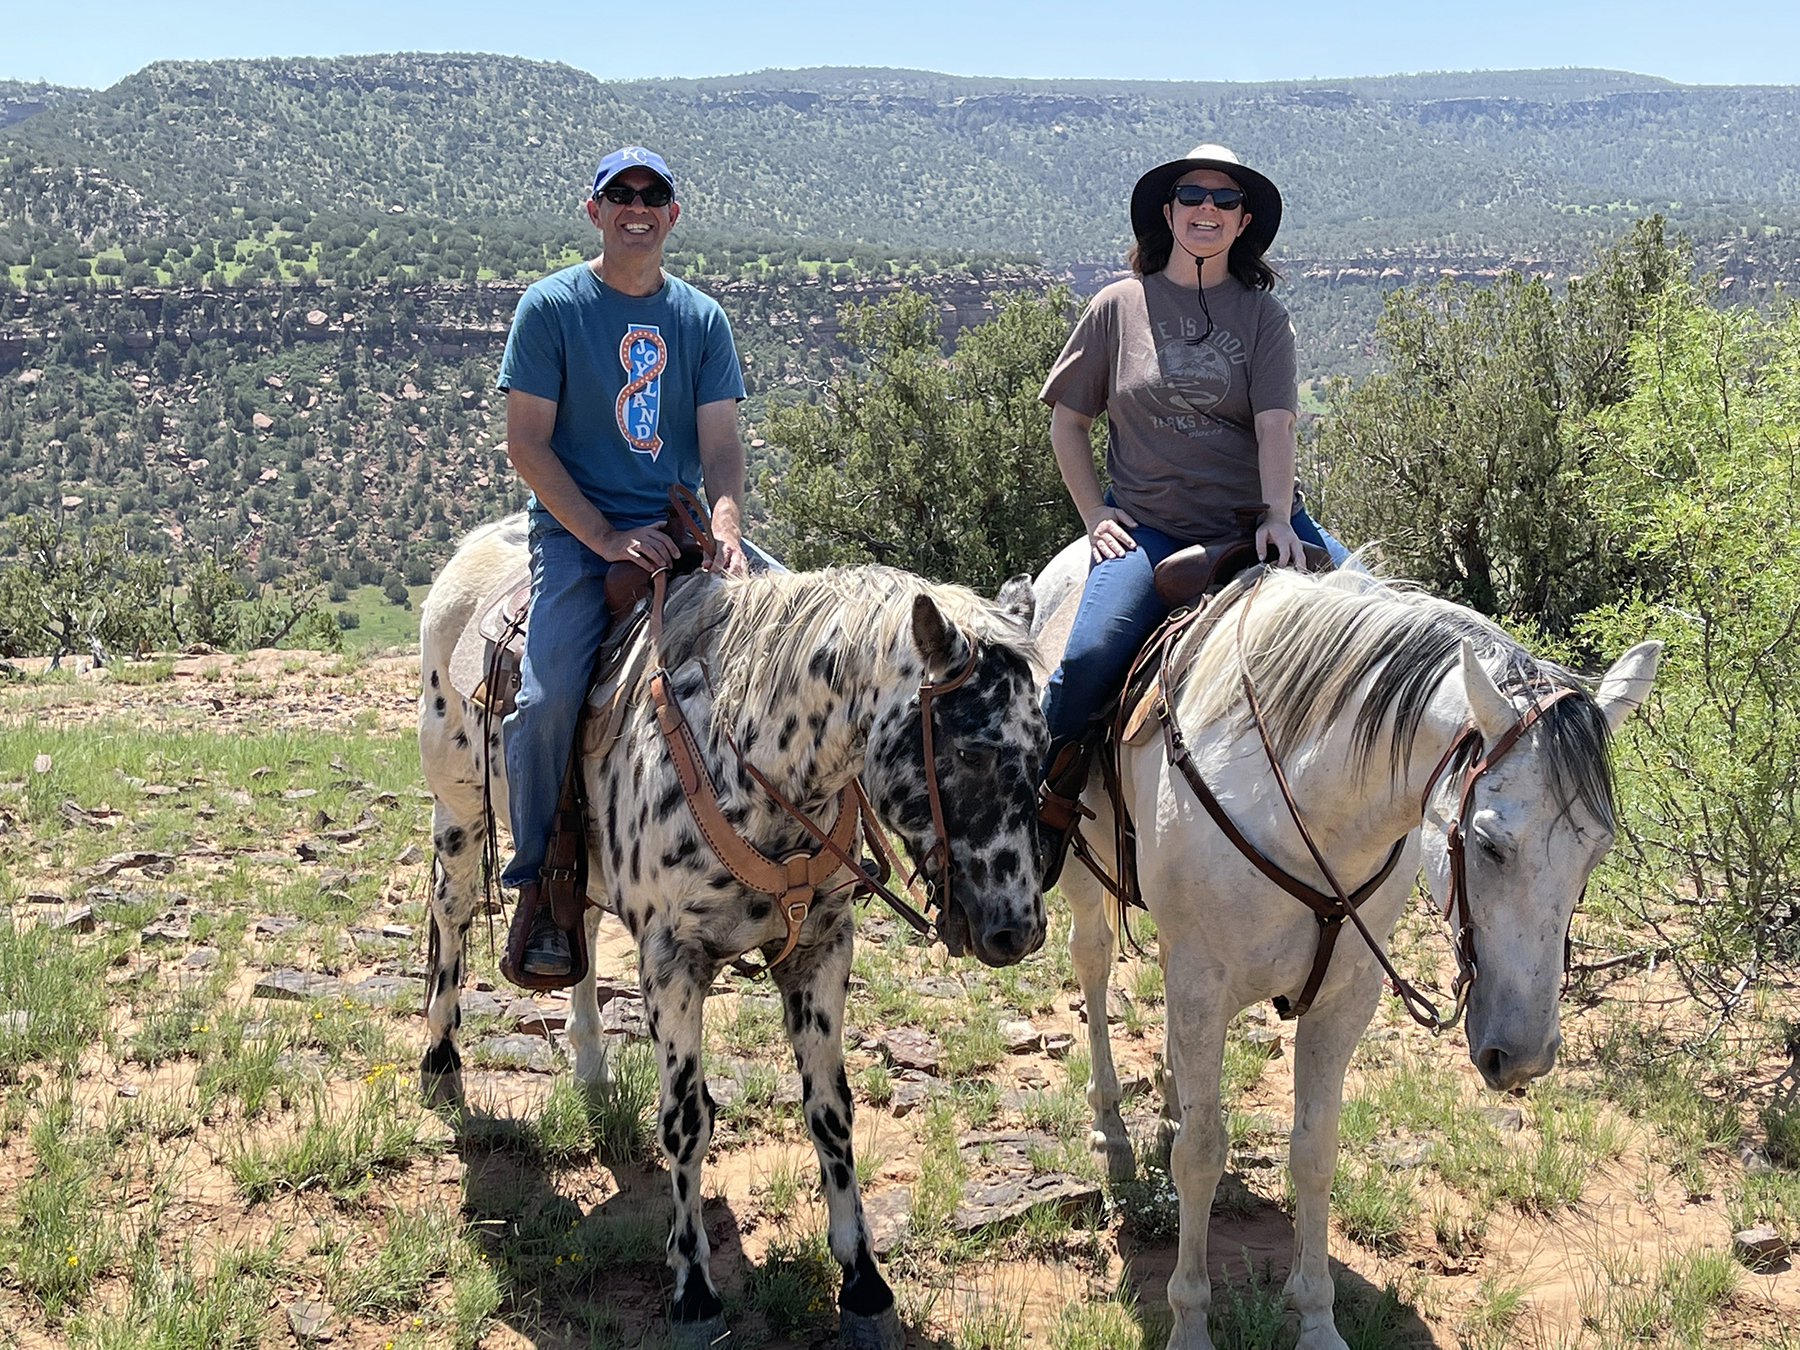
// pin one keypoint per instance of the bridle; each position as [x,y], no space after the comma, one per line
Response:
[794,880]
[1333,909]
[1468,741]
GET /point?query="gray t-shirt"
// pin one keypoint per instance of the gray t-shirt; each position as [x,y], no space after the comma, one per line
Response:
[1181,430]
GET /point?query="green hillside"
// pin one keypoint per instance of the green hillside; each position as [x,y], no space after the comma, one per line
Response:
[1534,164]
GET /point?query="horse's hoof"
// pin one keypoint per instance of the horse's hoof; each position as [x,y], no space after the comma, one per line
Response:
[1116,1155]
[880,1332]
[703,1335]
[442,1091]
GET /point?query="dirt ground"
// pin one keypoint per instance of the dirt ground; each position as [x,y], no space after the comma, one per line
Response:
[317,865]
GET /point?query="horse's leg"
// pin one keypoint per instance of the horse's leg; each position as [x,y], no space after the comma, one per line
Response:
[1197,1016]
[1168,1120]
[1091,953]
[1323,1042]
[456,835]
[812,986]
[584,1017]
[675,979]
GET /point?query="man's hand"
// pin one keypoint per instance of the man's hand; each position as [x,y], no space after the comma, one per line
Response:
[729,559]
[1280,536]
[1107,528]
[649,546]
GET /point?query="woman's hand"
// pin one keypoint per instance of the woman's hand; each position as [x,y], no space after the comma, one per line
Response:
[1107,528]
[1280,536]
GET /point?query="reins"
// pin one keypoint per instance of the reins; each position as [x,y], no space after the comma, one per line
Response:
[1339,905]
[794,880]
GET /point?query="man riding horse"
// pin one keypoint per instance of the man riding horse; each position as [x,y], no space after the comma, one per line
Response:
[620,382]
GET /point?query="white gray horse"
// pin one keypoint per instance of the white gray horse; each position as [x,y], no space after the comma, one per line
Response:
[816,679]
[1366,687]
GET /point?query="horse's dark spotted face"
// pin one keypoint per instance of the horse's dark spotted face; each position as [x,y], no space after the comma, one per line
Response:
[989,737]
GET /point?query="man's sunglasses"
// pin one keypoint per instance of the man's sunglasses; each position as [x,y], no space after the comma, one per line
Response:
[653,196]
[1193,194]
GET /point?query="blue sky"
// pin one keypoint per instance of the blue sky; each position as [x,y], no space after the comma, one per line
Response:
[1727,42]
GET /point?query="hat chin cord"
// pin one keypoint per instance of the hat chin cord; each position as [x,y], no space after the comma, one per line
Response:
[1199,288]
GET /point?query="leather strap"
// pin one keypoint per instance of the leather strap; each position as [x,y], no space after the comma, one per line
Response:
[928,691]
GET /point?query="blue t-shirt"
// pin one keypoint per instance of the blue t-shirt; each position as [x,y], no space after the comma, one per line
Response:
[627,373]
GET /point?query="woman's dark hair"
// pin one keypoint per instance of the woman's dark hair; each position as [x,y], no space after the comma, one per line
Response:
[1150,253]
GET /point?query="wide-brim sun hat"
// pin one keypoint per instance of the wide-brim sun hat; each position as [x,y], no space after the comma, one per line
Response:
[1261,197]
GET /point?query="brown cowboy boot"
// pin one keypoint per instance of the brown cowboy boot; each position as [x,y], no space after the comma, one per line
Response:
[1059,804]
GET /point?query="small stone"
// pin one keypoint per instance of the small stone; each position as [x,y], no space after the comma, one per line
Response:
[159,790]
[14,1022]
[385,991]
[298,985]
[310,1319]
[910,1093]
[1754,1162]
[1057,1044]
[1033,1078]
[44,897]
[788,1089]
[480,1003]
[299,794]
[79,919]
[940,986]
[1759,1246]
[201,958]
[1264,1036]
[128,1089]
[408,856]
[1021,1037]
[724,1091]
[273,926]
[1506,1119]
[41,764]
[889,1219]
[261,771]
[166,929]
[910,1048]
[1403,1154]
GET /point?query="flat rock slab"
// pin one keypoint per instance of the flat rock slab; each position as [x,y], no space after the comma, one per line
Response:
[911,1091]
[723,1090]
[624,1017]
[479,1003]
[118,862]
[535,1019]
[889,1217]
[940,986]
[388,991]
[1008,1150]
[201,958]
[80,919]
[271,925]
[519,1051]
[1057,1043]
[1506,1119]
[985,1205]
[910,1048]
[169,928]
[298,985]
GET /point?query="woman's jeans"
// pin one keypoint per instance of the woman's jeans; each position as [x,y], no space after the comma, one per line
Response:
[1119,611]
[568,621]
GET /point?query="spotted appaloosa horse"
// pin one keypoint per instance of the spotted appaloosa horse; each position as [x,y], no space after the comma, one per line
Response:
[816,677]
[1365,687]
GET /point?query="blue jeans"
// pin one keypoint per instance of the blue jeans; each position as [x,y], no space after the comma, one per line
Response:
[568,621]
[1119,611]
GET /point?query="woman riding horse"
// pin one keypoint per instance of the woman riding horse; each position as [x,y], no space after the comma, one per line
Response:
[1192,360]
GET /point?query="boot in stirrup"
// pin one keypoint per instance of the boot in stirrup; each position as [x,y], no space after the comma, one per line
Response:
[1059,805]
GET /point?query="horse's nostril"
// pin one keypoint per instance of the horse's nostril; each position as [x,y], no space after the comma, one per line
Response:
[1005,942]
[1491,1060]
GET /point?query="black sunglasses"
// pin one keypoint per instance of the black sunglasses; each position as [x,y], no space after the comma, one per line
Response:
[1193,194]
[623,194]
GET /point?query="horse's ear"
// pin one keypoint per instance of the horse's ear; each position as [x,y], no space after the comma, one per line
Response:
[935,637]
[1627,684]
[1492,710]
[1017,601]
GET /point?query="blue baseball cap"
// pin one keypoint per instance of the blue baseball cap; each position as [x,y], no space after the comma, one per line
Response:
[632,157]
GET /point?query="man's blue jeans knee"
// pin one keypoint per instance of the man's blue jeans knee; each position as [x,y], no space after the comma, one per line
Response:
[568,621]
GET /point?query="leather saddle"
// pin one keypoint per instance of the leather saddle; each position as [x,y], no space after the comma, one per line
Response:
[487,665]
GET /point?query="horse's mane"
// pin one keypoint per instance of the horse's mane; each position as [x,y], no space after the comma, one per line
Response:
[1312,643]
[765,635]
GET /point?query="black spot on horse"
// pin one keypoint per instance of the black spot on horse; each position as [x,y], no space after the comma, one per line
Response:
[434,679]
[438,705]
[462,740]
[788,728]
[451,841]
[759,910]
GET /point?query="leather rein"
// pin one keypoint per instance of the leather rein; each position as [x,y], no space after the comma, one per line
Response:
[794,880]
[1333,908]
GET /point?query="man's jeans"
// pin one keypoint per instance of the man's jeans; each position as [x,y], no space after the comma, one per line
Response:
[1119,610]
[568,621]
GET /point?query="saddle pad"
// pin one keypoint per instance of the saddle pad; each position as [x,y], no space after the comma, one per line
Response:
[603,720]
[1137,721]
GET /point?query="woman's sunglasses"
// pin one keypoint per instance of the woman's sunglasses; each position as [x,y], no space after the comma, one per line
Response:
[1193,194]
[653,196]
